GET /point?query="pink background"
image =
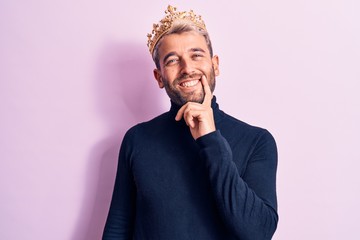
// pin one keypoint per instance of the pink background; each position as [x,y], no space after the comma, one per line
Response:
[75,75]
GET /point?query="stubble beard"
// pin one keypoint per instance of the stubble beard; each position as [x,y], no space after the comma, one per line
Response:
[179,98]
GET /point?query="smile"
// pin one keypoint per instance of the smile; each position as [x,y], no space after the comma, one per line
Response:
[189,83]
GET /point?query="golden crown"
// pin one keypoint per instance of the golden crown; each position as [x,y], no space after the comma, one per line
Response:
[159,29]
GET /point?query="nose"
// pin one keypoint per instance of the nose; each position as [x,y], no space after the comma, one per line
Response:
[187,67]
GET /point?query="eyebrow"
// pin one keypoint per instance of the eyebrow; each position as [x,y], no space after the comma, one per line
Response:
[197,50]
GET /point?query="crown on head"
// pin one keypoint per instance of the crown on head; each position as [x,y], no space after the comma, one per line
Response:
[159,29]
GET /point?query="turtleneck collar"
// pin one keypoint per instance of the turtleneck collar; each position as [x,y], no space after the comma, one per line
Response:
[218,114]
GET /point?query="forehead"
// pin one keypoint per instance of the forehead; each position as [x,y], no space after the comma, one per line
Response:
[182,43]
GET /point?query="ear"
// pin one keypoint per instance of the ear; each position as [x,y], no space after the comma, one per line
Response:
[158,78]
[215,62]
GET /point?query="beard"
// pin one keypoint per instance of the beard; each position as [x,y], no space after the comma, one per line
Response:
[179,97]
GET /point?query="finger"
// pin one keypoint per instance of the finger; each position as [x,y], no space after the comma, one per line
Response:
[189,120]
[186,108]
[182,110]
[207,91]
[191,117]
[185,112]
[180,113]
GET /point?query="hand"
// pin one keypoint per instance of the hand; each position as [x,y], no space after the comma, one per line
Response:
[199,117]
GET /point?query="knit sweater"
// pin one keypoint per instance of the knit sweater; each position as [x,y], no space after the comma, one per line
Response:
[169,186]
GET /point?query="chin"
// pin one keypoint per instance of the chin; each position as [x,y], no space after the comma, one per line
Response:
[181,99]
[198,98]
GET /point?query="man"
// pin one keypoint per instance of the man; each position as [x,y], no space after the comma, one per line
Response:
[193,172]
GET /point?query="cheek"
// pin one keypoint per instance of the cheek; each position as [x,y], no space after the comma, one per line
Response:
[208,65]
[208,68]
[170,74]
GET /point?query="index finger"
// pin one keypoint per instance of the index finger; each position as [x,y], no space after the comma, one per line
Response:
[207,91]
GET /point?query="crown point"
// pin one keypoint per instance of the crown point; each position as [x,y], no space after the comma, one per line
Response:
[171,9]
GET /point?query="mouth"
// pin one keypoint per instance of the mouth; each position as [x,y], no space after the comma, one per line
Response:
[189,83]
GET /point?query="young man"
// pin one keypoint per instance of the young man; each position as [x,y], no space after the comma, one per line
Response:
[193,172]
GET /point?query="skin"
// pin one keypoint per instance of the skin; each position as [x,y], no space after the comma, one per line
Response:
[187,72]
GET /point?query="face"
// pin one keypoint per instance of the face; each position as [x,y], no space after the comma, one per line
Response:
[184,58]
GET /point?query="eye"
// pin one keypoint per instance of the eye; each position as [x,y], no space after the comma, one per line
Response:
[171,61]
[197,56]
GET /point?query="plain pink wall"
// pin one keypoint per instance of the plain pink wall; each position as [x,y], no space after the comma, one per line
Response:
[75,75]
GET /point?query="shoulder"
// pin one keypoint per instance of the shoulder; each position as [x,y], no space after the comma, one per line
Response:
[235,130]
[234,125]
[143,129]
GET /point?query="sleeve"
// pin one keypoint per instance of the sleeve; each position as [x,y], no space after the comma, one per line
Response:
[120,221]
[247,203]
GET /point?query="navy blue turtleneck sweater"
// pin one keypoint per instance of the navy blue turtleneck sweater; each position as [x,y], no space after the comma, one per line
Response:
[170,186]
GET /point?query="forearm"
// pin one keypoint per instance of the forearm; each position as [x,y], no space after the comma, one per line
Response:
[246,210]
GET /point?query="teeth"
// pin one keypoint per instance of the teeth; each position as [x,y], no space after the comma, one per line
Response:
[189,83]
